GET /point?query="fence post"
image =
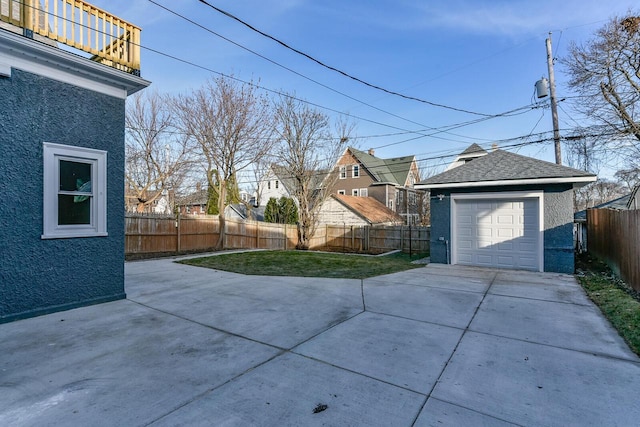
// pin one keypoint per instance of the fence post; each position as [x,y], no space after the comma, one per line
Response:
[178,233]
[286,237]
[326,236]
[410,241]
[257,235]
[353,240]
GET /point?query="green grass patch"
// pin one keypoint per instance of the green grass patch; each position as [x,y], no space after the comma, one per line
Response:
[615,299]
[308,264]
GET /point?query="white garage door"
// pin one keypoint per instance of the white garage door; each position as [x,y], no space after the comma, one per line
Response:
[502,233]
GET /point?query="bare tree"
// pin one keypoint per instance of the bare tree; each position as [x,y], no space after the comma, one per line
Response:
[232,126]
[157,158]
[308,151]
[629,177]
[605,72]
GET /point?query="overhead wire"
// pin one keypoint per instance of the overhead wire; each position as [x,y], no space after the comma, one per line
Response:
[337,70]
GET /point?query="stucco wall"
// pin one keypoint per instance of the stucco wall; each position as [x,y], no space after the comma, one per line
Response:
[558,230]
[440,238]
[40,276]
[558,224]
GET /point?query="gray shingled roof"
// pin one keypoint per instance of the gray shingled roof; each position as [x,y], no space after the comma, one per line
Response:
[502,165]
[394,170]
[472,149]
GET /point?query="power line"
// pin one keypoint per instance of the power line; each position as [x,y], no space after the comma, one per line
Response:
[337,70]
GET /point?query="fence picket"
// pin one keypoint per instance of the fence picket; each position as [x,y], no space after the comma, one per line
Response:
[147,235]
[614,237]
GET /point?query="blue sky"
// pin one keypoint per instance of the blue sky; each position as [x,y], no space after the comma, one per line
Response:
[481,56]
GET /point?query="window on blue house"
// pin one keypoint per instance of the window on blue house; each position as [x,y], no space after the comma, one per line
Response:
[75,192]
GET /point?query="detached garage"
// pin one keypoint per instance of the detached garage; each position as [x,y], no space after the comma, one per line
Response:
[504,210]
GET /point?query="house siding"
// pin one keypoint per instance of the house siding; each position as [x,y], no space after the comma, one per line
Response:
[334,212]
[40,276]
[558,223]
[364,180]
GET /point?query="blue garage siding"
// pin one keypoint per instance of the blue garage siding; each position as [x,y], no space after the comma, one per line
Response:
[40,276]
[558,223]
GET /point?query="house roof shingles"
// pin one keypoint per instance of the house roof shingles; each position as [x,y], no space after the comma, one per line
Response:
[504,166]
[394,170]
[473,149]
[369,208]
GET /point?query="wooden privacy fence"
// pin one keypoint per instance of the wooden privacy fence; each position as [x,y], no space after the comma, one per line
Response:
[148,235]
[614,237]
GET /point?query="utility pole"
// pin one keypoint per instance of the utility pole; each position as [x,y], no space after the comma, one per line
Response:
[554,104]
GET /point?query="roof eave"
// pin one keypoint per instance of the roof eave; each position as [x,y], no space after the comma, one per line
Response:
[576,181]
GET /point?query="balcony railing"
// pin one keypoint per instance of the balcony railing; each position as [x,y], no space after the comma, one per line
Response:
[111,40]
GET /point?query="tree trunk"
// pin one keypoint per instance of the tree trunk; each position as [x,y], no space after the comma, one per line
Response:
[222,197]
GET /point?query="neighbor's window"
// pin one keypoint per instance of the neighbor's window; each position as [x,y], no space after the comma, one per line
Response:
[354,192]
[364,192]
[355,172]
[276,184]
[75,192]
[343,172]
[341,192]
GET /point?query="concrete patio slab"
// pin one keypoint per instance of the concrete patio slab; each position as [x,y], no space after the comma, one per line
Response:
[563,325]
[279,311]
[567,291]
[112,364]
[463,271]
[402,352]
[287,390]
[441,306]
[420,277]
[437,413]
[532,384]
[440,345]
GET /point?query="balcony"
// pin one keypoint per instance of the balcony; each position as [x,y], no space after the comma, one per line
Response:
[78,24]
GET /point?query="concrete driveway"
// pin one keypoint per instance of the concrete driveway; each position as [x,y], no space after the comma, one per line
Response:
[435,346]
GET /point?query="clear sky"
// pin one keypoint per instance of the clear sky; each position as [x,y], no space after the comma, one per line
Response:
[482,56]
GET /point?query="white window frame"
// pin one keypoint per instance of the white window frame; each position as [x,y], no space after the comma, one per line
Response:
[343,172]
[355,171]
[52,154]
[341,192]
[364,192]
[355,192]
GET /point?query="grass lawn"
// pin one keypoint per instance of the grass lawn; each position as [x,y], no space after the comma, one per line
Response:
[619,303]
[308,264]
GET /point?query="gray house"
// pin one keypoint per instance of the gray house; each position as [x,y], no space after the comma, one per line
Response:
[504,210]
[62,163]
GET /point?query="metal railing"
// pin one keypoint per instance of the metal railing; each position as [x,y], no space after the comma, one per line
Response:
[111,40]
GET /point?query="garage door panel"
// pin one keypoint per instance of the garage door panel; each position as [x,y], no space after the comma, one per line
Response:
[506,219]
[497,233]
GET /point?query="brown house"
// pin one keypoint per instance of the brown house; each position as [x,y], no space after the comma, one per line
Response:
[389,181]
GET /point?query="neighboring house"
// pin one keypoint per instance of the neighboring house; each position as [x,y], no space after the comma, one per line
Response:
[629,201]
[389,181]
[354,210]
[163,204]
[246,197]
[276,183]
[243,211]
[194,203]
[505,210]
[62,137]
